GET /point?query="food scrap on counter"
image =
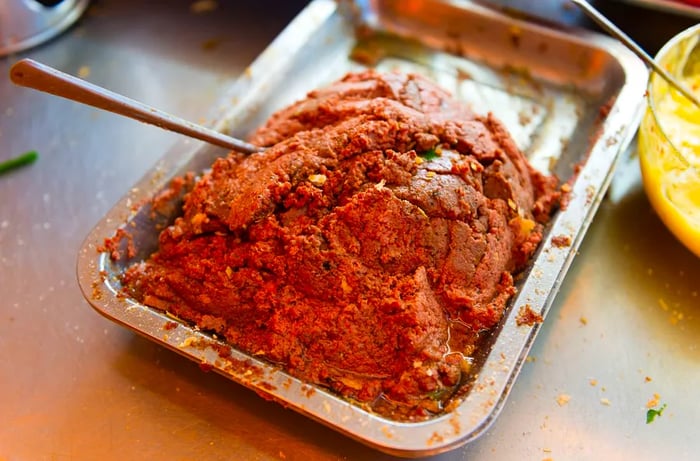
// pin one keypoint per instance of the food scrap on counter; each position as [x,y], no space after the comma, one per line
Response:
[563,399]
[21,160]
[653,413]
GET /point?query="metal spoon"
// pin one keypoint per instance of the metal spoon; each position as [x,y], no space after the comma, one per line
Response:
[613,30]
[32,74]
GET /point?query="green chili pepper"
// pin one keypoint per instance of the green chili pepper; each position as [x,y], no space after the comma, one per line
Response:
[429,154]
[24,159]
[652,413]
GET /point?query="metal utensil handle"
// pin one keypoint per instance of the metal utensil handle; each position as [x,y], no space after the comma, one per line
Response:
[32,74]
[611,28]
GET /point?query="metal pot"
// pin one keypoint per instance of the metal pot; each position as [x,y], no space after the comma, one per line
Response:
[27,23]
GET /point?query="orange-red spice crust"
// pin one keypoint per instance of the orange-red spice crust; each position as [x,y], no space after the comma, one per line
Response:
[344,253]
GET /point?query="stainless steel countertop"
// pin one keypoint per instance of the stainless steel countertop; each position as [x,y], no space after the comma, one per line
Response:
[74,386]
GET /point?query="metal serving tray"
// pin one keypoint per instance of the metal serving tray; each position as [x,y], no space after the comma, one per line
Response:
[572,100]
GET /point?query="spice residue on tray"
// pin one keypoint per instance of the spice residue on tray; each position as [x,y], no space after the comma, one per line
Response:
[561,241]
[366,250]
[527,316]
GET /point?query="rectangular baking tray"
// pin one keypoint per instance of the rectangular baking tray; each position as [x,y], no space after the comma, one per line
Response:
[572,100]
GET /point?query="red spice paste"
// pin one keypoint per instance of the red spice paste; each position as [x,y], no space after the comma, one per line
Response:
[382,212]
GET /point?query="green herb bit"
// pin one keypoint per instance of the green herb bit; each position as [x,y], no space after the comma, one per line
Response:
[24,159]
[652,413]
[430,154]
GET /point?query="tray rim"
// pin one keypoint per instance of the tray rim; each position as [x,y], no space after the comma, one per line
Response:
[386,435]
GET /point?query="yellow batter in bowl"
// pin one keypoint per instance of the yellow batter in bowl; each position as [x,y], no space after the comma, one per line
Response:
[669,141]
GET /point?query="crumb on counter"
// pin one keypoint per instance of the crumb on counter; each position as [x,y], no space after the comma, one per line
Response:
[654,401]
[563,399]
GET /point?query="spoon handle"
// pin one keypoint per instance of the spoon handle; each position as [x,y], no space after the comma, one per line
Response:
[613,30]
[32,74]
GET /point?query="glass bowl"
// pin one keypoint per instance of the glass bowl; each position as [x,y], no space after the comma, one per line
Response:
[669,140]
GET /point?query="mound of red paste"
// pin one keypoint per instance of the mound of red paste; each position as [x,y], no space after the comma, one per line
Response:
[366,249]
